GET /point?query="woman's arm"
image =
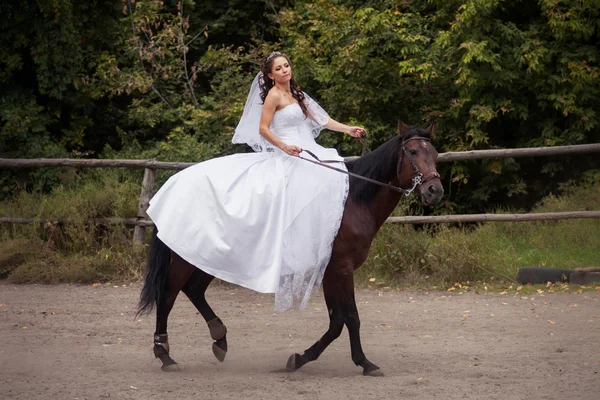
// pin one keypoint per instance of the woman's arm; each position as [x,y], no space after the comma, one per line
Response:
[354,131]
[266,117]
[332,124]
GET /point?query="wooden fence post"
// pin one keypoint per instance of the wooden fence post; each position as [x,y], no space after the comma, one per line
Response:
[139,232]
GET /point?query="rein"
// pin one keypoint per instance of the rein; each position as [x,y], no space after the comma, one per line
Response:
[416,180]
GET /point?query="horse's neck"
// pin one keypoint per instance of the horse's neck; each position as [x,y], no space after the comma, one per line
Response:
[384,204]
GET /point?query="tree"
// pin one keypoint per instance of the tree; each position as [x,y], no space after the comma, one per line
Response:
[488,73]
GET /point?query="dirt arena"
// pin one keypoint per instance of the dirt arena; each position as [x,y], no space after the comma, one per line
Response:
[83,342]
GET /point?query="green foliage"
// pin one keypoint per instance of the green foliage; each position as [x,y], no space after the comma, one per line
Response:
[168,80]
[488,73]
[77,251]
[121,263]
[78,79]
[14,252]
[97,196]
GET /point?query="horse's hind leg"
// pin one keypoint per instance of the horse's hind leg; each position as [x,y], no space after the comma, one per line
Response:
[195,289]
[179,272]
[336,325]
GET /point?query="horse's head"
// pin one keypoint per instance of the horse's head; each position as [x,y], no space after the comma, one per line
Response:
[416,163]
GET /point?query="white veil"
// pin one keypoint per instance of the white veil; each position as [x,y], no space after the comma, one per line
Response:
[247,130]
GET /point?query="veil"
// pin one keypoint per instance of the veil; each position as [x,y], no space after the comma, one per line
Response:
[247,130]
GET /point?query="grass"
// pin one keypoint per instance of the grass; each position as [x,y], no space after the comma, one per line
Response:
[400,255]
[53,267]
[77,251]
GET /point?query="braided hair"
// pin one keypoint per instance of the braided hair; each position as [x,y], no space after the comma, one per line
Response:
[266,83]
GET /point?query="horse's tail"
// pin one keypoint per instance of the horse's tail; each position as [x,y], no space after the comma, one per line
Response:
[155,284]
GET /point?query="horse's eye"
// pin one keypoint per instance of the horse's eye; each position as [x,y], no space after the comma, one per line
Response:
[413,152]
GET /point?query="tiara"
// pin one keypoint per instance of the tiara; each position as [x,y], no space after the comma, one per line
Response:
[274,54]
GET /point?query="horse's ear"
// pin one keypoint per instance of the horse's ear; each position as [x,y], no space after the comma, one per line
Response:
[402,128]
[430,130]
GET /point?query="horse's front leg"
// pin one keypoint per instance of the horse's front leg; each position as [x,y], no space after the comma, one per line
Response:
[338,289]
[344,295]
[352,321]
[336,325]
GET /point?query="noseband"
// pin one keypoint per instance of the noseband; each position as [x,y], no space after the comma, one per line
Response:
[417,179]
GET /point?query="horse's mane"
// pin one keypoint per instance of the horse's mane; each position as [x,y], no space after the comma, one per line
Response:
[380,165]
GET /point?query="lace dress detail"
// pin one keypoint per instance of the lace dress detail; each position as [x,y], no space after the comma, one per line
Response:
[310,243]
[265,221]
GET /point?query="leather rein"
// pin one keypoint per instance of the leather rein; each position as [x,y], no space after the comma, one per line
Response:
[417,179]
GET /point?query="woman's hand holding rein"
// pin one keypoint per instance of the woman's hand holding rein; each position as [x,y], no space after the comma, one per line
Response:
[292,150]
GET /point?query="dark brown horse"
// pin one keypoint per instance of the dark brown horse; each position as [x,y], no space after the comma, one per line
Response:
[406,161]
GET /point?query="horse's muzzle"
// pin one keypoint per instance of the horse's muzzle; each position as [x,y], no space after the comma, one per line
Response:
[431,191]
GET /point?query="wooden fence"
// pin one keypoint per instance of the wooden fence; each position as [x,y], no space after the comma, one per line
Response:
[150,166]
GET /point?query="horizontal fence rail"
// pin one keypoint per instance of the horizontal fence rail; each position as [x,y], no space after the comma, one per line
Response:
[517,153]
[68,162]
[102,221]
[150,166]
[463,218]
[437,219]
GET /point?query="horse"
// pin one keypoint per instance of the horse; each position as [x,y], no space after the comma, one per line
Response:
[404,163]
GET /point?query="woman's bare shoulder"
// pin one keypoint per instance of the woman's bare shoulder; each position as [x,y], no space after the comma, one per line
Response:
[273,97]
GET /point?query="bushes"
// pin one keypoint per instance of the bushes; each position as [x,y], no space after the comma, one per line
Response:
[78,251]
[123,263]
[441,254]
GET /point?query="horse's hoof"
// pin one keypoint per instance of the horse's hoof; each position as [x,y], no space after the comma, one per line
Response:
[293,362]
[170,367]
[373,371]
[219,352]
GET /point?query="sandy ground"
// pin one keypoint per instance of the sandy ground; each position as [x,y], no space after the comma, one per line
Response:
[83,342]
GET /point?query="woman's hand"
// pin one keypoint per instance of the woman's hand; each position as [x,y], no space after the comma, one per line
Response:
[291,149]
[356,131]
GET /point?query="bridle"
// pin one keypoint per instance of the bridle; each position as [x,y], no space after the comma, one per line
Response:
[417,178]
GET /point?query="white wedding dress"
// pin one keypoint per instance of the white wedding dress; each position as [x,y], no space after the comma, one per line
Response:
[265,220]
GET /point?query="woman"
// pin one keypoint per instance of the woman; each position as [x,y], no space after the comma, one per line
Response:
[265,221]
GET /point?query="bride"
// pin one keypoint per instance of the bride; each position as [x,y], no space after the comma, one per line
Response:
[264,220]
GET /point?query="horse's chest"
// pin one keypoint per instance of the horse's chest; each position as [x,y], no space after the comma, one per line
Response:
[358,233]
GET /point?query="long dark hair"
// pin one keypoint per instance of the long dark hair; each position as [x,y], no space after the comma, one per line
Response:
[266,83]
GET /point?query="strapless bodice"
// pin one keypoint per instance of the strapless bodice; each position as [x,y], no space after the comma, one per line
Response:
[289,124]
